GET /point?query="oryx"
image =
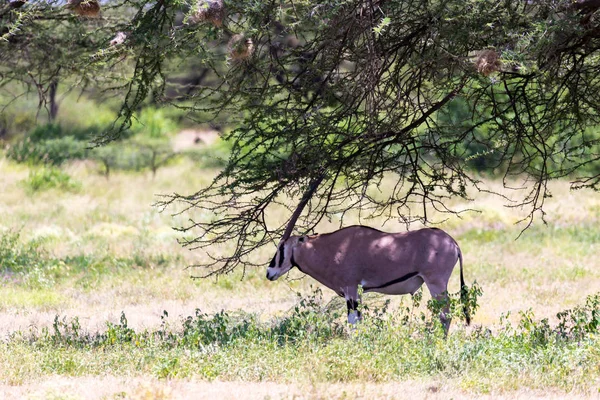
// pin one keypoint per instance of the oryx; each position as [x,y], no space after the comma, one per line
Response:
[390,263]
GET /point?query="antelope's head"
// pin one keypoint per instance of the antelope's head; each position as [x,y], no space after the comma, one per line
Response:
[283,260]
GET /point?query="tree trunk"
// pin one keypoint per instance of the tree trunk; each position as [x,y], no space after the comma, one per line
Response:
[52,100]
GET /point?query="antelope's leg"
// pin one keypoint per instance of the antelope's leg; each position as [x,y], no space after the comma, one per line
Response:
[439,292]
[352,302]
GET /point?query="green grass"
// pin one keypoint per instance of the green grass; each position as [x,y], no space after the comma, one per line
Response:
[386,347]
[24,298]
[87,255]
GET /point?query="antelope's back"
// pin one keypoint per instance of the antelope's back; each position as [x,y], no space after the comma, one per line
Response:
[413,249]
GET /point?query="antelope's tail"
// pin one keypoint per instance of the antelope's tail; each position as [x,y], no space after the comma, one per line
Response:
[464,290]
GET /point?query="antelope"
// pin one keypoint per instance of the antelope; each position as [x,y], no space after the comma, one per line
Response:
[389,263]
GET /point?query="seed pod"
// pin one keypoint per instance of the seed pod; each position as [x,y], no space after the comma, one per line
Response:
[207,10]
[487,61]
[240,47]
[85,8]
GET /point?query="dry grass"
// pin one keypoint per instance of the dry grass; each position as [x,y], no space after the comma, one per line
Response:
[548,269]
[112,387]
[542,272]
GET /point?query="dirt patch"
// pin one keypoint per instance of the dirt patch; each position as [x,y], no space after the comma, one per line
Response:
[147,388]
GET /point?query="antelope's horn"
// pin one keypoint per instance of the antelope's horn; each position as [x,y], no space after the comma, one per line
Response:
[314,184]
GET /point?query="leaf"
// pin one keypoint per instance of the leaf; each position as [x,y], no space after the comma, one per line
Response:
[382,25]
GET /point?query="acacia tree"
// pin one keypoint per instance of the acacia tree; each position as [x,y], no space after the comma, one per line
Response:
[48,44]
[327,98]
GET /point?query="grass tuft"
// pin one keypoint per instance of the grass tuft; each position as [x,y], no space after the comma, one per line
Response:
[386,346]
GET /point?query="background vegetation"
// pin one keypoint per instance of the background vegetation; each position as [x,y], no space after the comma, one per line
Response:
[455,100]
[95,288]
[343,93]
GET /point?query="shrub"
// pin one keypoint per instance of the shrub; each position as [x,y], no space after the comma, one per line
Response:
[130,155]
[52,151]
[580,321]
[309,319]
[215,156]
[26,263]
[152,123]
[51,131]
[219,329]
[155,152]
[13,123]
[50,178]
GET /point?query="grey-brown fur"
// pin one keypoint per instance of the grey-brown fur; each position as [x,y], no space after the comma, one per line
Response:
[391,263]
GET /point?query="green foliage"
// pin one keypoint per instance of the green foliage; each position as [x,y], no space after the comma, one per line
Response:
[28,264]
[129,158]
[581,321]
[574,326]
[54,151]
[310,320]
[45,178]
[483,147]
[480,149]
[64,333]
[54,131]
[151,136]
[456,304]
[214,156]
[220,329]
[385,346]
[145,146]
[152,123]
[119,156]
[155,152]
[134,154]
[119,333]
[15,122]
[381,26]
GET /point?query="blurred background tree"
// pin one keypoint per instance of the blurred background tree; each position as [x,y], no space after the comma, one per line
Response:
[332,96]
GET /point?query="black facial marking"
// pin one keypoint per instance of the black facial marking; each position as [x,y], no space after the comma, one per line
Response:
[281,249]
[272,264]
[401,279]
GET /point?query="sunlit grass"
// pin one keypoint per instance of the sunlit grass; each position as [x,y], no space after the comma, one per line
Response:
[19,298]
[385,347]
[103,249]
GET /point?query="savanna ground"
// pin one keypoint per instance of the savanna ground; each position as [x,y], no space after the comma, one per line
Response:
[96,303]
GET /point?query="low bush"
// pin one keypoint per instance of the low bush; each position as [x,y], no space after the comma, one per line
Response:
[119,156]
[310,320]
[41,179]
[26,263]
[215,156]
[54,151]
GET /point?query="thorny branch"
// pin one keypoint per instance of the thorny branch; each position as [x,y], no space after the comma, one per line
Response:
[365,95]
[367,107]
